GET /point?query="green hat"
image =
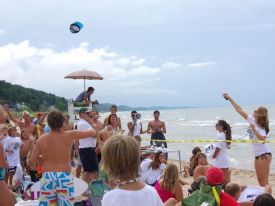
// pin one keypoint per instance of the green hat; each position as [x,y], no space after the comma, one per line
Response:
[84,110]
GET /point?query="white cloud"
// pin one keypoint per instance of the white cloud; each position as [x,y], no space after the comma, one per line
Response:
[45,68]
[172,65]
[139,62]
[144,71]
[123,61]
[202,64]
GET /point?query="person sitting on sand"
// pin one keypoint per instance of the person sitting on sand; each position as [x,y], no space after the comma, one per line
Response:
[220,157]
[200,165]
[55,150]
[210,193]
[157,130]
[155,169]
[258,130]
[124,168]
[169,186]
[85,97]
[264,200]
[190,170]
[236,190]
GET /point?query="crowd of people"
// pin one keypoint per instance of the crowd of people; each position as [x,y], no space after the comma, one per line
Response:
[47,148]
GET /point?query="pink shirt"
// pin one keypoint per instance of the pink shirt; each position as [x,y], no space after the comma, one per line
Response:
[163,193]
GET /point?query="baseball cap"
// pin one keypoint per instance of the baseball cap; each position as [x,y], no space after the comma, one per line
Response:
[84,110]
[214,176]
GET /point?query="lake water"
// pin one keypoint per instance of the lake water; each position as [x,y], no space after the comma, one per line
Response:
[199,123]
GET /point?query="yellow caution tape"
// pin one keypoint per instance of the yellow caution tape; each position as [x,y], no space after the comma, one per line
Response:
[216,195]
[212,140]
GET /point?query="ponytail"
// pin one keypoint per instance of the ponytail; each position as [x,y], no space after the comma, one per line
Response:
[227,130]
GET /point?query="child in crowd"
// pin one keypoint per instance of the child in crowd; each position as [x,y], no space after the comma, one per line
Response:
[190,170]
[233,189]
[28,143]
[12,150]
[121,163]
[220,158]
[169,185]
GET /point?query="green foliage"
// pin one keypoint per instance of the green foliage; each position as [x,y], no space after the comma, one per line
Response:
[34,99]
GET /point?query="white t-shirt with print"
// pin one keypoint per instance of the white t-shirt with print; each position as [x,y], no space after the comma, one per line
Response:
[221,161]
[143,197]
[152,175]
[89,141]
[13,144]
[257,148]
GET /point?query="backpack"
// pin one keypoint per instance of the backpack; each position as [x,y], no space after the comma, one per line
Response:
[205,196]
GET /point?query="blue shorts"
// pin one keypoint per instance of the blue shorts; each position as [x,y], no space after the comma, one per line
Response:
[57,188]
[2,174]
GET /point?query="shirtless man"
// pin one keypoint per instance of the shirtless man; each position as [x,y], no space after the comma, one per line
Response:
[55,149]
[157,130]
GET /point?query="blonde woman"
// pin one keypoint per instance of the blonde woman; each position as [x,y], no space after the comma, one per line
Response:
[169,185]
[258,130]
[121,163]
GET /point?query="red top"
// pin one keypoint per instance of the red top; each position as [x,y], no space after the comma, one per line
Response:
[163,193]
[227,200]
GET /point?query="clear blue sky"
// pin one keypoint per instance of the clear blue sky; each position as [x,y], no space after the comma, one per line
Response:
[151,52]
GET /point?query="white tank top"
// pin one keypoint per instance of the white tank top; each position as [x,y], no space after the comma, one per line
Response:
[137,128]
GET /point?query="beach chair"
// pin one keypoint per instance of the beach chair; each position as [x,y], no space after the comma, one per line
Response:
[97,188]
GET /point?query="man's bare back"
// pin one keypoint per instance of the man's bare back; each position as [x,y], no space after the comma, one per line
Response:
[55,149]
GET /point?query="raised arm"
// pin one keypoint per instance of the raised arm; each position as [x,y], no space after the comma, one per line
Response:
[42,118]
[77,134]
[236,106]
[2,115]
[11,117]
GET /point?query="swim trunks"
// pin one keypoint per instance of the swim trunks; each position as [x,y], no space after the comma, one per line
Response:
[57,188]
[158,136]
[2,174]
